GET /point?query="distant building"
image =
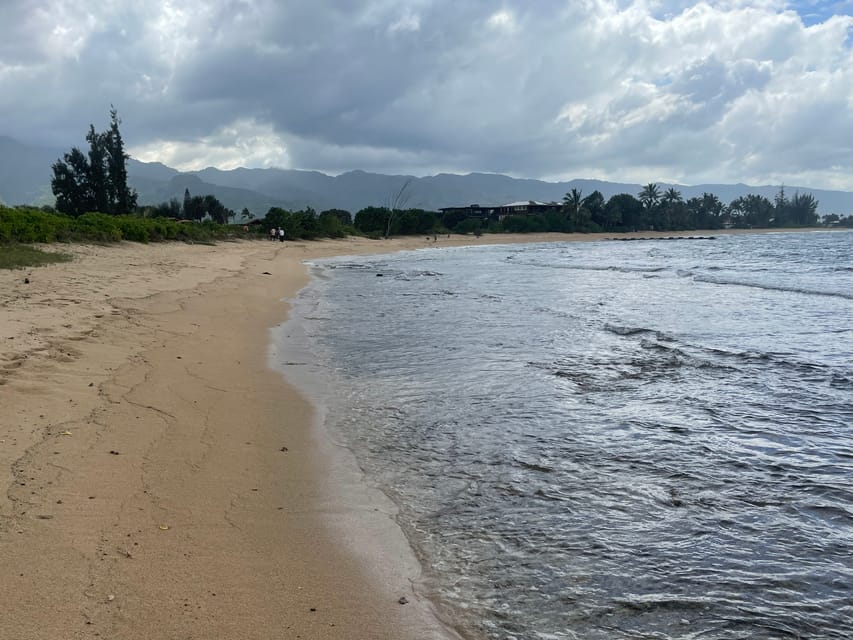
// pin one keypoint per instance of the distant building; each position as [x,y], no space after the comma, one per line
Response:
[499,212]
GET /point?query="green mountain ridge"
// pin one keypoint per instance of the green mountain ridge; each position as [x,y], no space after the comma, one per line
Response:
[25,173]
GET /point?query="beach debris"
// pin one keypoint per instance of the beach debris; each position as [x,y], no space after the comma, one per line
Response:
[110,598]
[164,527]
[26,280]
[266,273]
[114,452]
[65,433]
[312,609]
[403,600]
[285,449]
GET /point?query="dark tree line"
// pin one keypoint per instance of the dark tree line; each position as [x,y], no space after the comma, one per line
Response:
[375,222]
[95,182]
[653,209]
[307,224]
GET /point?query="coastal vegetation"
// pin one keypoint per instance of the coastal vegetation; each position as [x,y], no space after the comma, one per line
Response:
[650,210]
[22,255]
[94,203]
[31,225]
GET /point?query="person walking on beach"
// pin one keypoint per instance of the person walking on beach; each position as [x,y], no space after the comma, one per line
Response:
[273,233]
[281,235]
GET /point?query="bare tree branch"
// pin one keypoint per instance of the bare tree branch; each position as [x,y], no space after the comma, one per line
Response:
[396,202]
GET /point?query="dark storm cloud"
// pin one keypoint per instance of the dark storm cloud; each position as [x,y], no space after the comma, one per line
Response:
[596,88]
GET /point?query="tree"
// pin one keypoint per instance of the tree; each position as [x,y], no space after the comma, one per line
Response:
[578,215]
[623,211]
[195,207]
[650,195]
[170,209]
[97,183]
[343,215]
[70,184]
[594,204]
[452,218]
[371,219]
[296,224]
[572,202]
[217,211]
[780,208]
[802,209]
[672,196]
[469,225]
[122,198]
[331,224]
[187,206]
[98,172]
[670,213]
[705,212]
[750,211]
[396,202]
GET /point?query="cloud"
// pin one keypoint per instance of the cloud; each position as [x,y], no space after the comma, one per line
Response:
[244,143]
[650,91]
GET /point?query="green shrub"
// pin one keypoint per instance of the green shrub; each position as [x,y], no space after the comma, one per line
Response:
[27,225]
[469,225]
[98,227]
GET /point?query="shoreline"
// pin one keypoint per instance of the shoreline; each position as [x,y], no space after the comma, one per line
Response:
[150,485]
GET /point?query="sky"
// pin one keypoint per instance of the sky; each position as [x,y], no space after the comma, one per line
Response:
[759,92]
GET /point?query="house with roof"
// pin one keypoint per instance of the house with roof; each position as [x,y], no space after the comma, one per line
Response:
[499,212]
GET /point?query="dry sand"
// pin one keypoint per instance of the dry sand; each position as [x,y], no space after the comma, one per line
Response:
[160,481]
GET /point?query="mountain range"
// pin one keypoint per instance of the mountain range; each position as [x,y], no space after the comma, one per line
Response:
[25,172]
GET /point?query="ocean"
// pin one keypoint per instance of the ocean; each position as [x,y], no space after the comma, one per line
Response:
[605,440]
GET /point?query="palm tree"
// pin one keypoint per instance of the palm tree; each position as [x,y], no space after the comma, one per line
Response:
[672,196]
[572,200]
[670,213]
[650,195]
[572,203]
[803,209]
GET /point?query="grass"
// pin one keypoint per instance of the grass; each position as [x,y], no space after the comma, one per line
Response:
[18,256]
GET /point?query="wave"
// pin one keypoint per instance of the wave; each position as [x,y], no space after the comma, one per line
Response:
[772,287]
[677,354]
[634,331]
[591,267]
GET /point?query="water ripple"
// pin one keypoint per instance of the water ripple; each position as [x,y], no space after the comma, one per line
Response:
[579,451]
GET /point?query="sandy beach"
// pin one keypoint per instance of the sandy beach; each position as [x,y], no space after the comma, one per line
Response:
[160,480]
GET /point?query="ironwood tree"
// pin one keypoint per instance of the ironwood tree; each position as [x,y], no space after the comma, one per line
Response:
[96,182]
